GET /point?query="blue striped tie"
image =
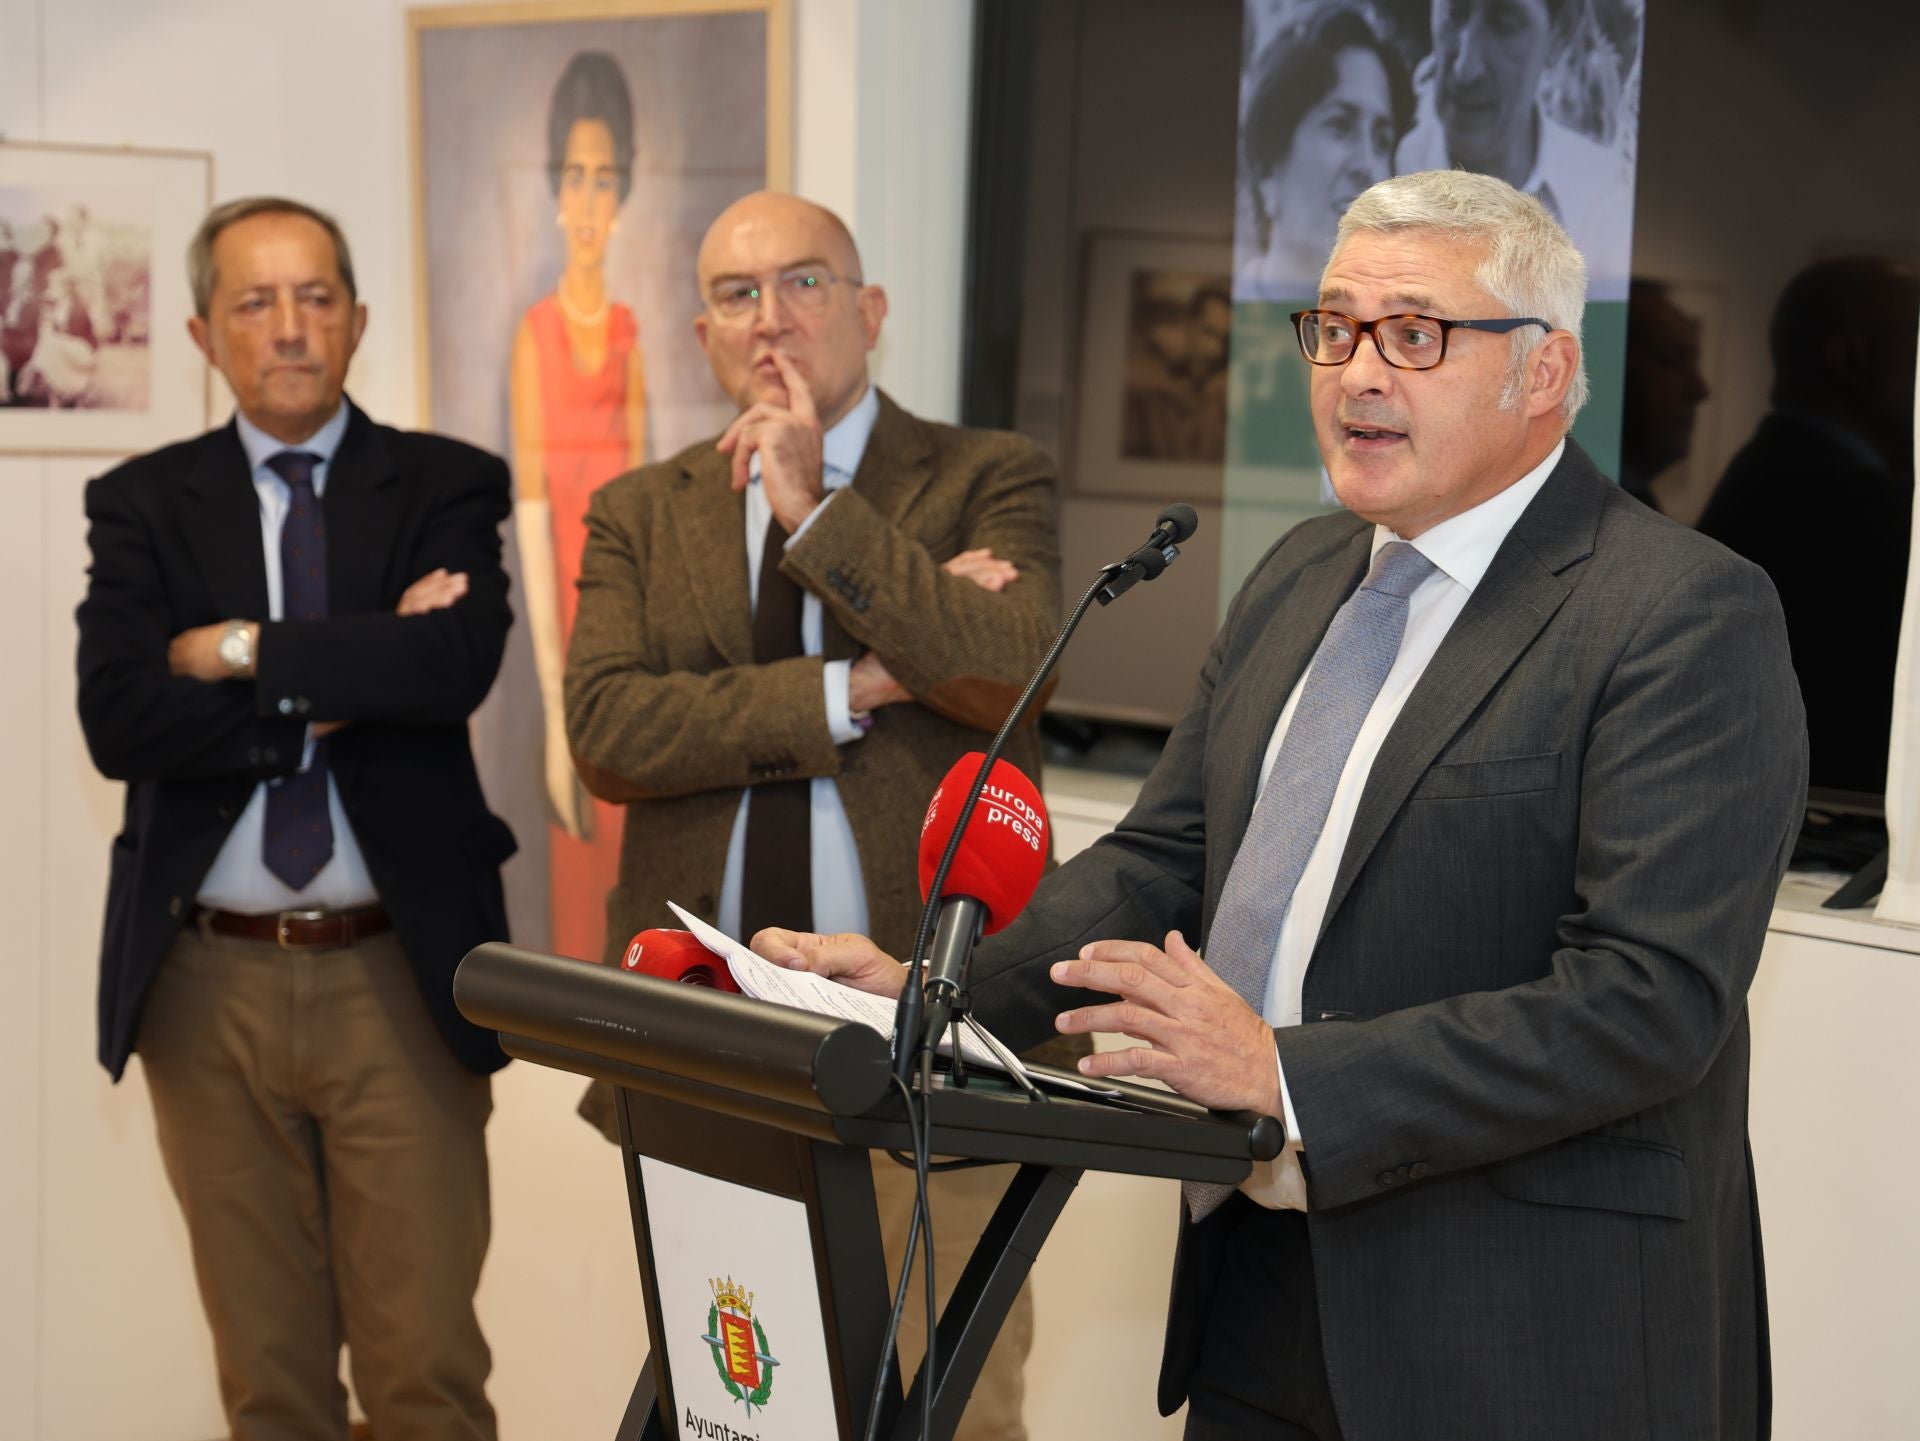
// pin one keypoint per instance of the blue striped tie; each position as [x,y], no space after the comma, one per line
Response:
[1347,673]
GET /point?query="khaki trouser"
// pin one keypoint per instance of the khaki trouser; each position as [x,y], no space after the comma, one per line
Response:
[329,1154]
[962,1203]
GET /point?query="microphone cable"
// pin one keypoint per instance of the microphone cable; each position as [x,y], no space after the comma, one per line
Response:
[921,1222]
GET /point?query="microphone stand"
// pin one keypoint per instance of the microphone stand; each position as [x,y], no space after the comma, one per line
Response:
[925,1007]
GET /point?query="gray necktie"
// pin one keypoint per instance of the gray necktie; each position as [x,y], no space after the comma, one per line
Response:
[1348,671]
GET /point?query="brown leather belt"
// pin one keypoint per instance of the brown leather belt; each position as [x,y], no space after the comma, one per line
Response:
[296,930]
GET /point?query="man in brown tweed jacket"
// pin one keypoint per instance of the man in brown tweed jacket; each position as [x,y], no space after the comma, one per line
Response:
[910,570]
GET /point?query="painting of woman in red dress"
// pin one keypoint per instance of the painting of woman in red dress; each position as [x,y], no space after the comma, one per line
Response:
[579,419]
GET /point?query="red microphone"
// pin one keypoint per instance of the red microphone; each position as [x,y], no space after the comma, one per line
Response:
[995,869]
[1004,850]
[677,956]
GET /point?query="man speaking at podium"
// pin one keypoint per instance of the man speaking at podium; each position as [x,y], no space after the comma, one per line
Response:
[1478,809]
[786,636]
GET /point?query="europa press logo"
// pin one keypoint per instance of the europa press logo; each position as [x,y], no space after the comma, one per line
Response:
[739,1342]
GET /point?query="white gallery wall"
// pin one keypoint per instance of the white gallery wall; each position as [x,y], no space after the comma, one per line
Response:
[100,1330]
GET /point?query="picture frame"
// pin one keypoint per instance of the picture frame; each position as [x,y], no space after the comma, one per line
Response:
[1150,413]
[568,159]
[95,358]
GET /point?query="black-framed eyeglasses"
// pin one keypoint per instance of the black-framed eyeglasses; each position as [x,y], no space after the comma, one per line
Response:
[1406,342]
[802,288]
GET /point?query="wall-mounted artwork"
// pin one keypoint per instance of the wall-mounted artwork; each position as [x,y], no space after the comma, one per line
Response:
[94,352]
[1152,393]
[568,159]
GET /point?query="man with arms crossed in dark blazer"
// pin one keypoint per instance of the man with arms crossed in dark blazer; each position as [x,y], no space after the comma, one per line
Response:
[287,623]
[914,568]
[1482,853]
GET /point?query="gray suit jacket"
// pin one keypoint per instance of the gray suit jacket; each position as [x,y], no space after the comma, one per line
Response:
[1523,1079]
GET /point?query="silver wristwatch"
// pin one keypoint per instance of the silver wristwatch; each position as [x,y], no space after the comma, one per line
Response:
[236,648]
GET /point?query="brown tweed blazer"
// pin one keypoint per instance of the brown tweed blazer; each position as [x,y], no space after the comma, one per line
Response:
[667,712]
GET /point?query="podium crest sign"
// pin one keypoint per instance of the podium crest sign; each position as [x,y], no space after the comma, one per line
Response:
[739,1345]
[735,1272]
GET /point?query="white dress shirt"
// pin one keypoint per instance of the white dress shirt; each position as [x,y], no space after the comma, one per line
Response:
[239,879]
[1461,548]
[839,892]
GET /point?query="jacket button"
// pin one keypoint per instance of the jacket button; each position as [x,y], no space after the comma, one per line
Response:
[1418,1169]
[1386,1179]
[301,705]
[253,755]
[174,906]
[286,706]
[704,905]
[271,756]
[225,813]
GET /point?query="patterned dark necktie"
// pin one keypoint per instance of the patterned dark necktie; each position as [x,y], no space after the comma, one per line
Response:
[299,831]
[777,877]
[1348,671]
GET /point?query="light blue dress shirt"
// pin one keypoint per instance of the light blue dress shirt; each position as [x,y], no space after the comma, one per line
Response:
[239,879]
[839,892]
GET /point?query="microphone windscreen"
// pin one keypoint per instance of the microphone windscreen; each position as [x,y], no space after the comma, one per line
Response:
[677,956]
[1183,519]
[1005,848]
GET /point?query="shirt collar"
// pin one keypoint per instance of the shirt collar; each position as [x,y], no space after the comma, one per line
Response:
[261,447]
[844,446]
[1463,545]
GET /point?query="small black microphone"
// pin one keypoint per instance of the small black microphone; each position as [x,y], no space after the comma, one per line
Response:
[1176,523]
[1178,520]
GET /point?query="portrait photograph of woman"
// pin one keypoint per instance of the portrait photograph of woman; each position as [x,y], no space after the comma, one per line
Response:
[1326,101]
[570,157]
[579,403]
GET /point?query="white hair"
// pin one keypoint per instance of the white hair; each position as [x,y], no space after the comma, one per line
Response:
[1531,266]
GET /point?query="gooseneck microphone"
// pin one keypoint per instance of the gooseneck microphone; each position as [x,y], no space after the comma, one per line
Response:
[911,1039]
[995,881]
[1176,523]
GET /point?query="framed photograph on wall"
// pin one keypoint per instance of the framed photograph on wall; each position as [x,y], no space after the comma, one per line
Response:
[1151,395]
[94,352]
[568,158]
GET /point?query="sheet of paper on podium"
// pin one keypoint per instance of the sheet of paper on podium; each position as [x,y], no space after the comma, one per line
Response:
[807,992]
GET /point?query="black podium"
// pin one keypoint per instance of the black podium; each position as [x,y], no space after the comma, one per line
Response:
[720,1091]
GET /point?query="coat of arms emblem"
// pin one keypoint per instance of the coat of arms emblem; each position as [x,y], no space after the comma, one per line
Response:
[739,1342]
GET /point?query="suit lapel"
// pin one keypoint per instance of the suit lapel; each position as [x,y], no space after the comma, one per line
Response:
[1523,587]
[898,463]
[361,507]
[222,525]
[709,522]
[895,468]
